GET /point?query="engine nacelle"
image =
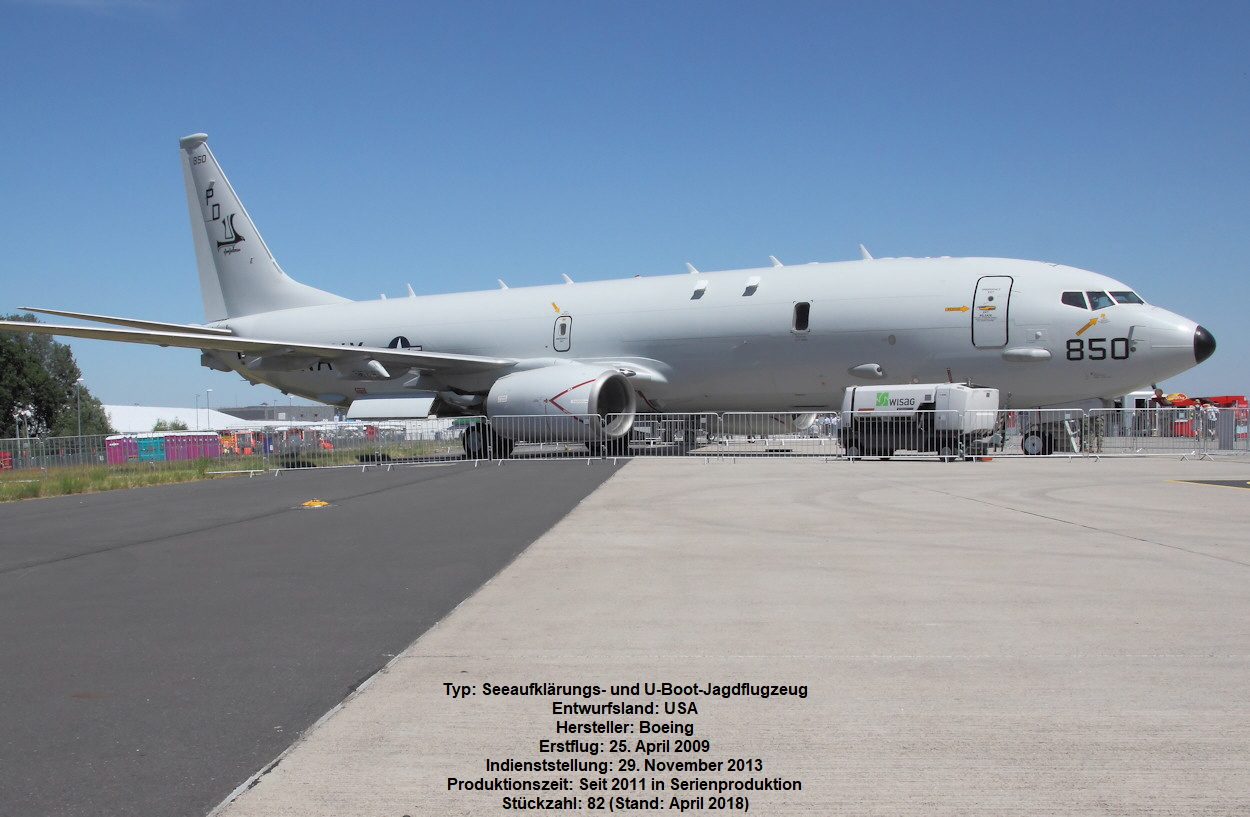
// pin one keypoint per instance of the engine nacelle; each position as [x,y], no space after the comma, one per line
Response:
[570,402]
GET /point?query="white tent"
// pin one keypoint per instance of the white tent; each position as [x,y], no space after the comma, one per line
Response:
[141,419]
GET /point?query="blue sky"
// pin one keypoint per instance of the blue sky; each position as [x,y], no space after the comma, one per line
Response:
[447,144]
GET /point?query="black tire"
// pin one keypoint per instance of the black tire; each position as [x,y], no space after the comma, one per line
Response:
[501,447]
[480,442]
[1037,443]
[474,441]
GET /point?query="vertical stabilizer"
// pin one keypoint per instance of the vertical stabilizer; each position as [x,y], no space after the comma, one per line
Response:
[238,274]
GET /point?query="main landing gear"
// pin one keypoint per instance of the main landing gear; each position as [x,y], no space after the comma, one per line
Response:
[1037,443]
[482,443]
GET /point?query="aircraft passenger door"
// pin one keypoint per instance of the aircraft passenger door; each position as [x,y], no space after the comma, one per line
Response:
[989,311]
[562,338]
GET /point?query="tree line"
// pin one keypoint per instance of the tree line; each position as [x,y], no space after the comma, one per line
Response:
[40,394]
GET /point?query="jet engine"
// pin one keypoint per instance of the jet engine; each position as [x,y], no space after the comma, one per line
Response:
[570,402]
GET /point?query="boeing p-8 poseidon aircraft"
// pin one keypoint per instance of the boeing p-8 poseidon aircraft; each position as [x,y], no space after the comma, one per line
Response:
[589,356]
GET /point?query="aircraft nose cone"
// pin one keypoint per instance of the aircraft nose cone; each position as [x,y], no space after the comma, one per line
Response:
[1204,344]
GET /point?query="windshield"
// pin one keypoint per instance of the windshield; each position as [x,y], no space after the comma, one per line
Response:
[1076,299]
[1099,300]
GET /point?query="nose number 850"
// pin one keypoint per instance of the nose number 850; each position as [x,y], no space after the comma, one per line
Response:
[1099,348]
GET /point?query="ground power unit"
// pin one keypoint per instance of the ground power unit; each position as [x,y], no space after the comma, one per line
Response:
[951,420]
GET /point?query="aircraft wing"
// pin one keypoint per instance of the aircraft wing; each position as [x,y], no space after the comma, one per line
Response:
[133,322]
[300,354]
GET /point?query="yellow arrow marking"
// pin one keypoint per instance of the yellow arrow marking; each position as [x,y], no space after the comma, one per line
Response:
[956,309]
[1092,321]
[553,306]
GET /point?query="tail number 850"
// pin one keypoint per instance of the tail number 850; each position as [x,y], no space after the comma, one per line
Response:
[1099,348]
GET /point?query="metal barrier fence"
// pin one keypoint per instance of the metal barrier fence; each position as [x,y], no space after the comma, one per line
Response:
[933,435]
[51,452]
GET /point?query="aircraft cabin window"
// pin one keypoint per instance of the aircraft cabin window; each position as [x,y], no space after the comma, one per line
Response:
[1127,298]
[1076,299]
[1099,300]
[802,311]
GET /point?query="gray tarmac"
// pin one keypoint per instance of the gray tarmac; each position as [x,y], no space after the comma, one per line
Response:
[158,646]
[1007,637]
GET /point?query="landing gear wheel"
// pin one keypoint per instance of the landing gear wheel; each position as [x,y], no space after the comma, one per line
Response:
[946,453]
[474,441]
[1037,443]
[501,447]
[481,443]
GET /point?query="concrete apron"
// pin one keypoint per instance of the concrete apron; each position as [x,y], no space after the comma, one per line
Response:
[1010,637]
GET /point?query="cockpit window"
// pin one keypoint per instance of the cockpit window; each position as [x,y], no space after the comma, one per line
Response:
[1076,299]
[1099,300]
[1127,298]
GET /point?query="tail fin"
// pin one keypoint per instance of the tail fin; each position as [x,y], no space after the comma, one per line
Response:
[238,274]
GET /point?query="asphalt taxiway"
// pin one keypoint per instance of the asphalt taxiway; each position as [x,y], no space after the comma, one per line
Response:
[1007,637]
[159,645]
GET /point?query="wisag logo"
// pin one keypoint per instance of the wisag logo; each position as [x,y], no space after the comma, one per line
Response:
[884,401]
